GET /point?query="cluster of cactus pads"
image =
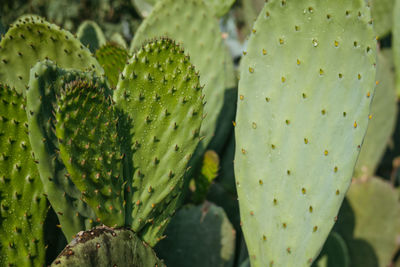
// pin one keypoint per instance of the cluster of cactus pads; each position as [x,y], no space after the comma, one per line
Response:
[113,141]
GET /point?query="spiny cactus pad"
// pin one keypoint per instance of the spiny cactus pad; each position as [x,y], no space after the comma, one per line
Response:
[32,39]
[23,206]
[105,247]
[91,35]
[45,85]
[191,23]
[87,132]
[383,118]
[304,98]
[113,59]
[200,235]
[159,90]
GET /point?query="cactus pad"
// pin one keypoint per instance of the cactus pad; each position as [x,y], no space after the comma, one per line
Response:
[104,247]
[87,132]
[44,87]
[32,39]
[90,35]
[159,90]
[23,206]
[304,98]
[113,59]
[191,23]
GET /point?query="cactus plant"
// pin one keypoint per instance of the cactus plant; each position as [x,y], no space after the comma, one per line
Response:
[91,35]
[104,246]
[300,82]
[23,207]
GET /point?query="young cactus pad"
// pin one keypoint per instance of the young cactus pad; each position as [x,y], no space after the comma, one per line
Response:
[159,90]
[32,39]
[105,247]
[87,132]
[306,84]
[23,207]
[45,87]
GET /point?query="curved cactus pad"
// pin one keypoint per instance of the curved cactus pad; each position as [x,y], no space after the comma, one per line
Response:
[159,90]
[105,247]
[91,35]
[306,85]
[23,207]
[45,87]
[113,59]
[87,132]
[32,39]
[191,23]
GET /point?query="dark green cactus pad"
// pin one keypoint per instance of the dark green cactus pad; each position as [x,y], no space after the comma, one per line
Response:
[86,129]
[32,39]
[113,59]
[383,117]
[45,86]
[105,247]
[369,222]
[199,235]
[193,24]
[23,206]
[306,84]
[159,90]
[91,35]
[334,253]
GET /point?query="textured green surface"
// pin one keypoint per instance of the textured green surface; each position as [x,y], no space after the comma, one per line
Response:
[383,118]
[113,59]
[382,14]
[369,222]
[159,90]
[191,23]
[199,235]
[334,253]
[105,247]
[44,87]
[396,43]
[118,39]
[32,39]
[22,204]
[86,128]
[90,34]
[306,85]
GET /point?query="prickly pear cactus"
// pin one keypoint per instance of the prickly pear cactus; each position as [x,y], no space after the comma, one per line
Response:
[159,90]
[383,118]
[32,39]
[381,11]
[113,59]
[45,85]
[86,128]
[181,20]
[91,35]
[23,206]
[306,85]
[104,247]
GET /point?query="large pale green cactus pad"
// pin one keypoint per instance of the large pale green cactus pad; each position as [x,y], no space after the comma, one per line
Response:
[304,99]
[159,90]
[23,206]
[191,23]
[105,247]
[32,39]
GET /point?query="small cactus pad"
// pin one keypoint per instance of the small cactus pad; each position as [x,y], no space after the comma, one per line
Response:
[369,222]
[306,84]
[105,247]
[201,235]
[382,117]
[159,90]
[90,35]
[334,253]
[23,207]
[113,59]
[191,23]
[45,86]
[87,132]
[32,39]
[381,11]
